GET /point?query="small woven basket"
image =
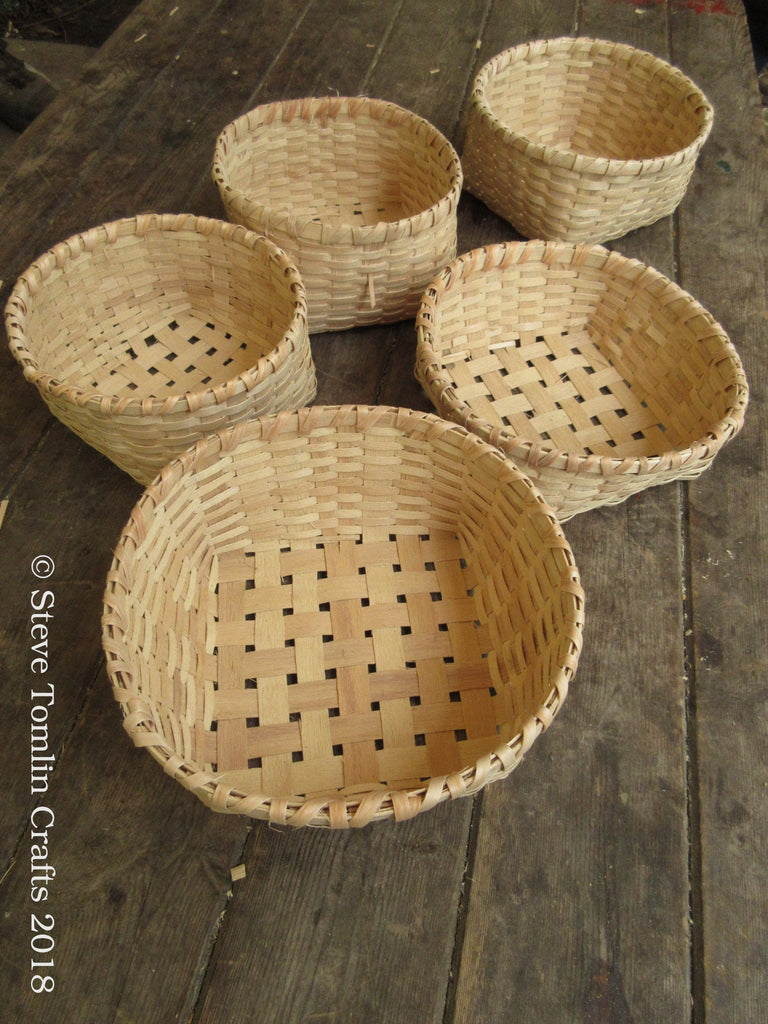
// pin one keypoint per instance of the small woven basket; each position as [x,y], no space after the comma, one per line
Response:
[582,140]
[595,374]
[147,333]
[361,193]
[340,615]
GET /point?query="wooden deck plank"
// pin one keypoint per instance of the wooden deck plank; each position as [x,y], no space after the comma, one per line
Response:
[723,234]
[164,147]
[342,926]
[582,857]
[78,124]
[427,61]
[142,876]
[394,912]
[70,507]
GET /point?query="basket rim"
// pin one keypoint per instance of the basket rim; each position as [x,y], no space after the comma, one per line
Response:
[104,235]
[358,806]
[323,232]
[495,259]
[580,162]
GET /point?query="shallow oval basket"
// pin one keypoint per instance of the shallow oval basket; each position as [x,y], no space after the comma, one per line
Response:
[145,334]
[593,373]
[361,192]
[339,616]
[582,139]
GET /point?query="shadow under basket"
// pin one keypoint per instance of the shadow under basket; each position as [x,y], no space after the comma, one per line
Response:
[582,140]
[593,373]
[362,193]
[340,615]
[146,334]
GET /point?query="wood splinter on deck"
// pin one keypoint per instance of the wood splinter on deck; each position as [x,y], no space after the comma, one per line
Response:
[237,873]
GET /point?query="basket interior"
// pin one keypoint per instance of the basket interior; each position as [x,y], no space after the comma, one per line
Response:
[369,612]
[598,104]
[349,169]
[584,362]
[158,314]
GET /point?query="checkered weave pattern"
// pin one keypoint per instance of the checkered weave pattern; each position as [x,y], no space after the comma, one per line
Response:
[341,615]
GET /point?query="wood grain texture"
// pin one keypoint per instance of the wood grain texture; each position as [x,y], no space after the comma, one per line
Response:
[723,256]
[136,909]
[163,147]
[341,926]
[69,504]
[592,845]
[47,165]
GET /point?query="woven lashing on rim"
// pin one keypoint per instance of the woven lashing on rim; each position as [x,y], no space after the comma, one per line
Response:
[581,139]
[147,333]
[340,615]
[361,192]
[594,373]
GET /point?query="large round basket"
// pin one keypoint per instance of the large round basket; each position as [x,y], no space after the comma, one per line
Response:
[145,334]
[339,616]
[582,140]
[361,193]
[595,374]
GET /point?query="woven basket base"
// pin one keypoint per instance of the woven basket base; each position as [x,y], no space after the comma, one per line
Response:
[374,669]
[177,355]
[567,394]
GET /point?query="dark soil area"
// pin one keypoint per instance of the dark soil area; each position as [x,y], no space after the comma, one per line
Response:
[86,22]
[757,16]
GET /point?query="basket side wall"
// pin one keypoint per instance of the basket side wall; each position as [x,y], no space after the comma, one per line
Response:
[621,108]
[92,317]
[363,199]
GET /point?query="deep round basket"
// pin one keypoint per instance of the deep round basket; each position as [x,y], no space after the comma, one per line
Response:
[340,615]
[594,373]
[582,140]
[147,333]
[361,192]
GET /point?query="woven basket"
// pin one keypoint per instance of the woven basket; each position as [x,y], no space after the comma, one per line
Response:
[339,616]
[361,193]
[582,140]
[595,374]
[147,333]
